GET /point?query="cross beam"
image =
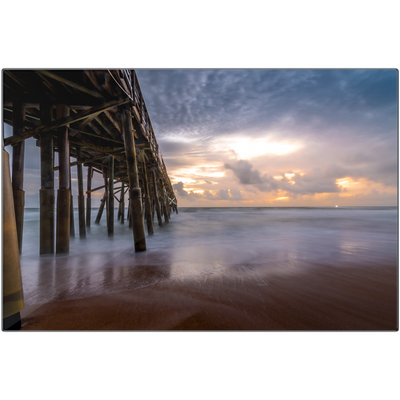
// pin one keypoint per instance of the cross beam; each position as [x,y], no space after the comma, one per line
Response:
[65,121]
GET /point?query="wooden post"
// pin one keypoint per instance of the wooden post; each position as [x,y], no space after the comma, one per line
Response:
[110,195]
[134,189]
[129,214]
[47,184]
[63,193]
[89,197]
[105,177]
[164,201]
[122,203]
[119,211]
[101,208]
[81,197]
[147,203]
[13,296]
[71,210]
[159,218]
[18,169]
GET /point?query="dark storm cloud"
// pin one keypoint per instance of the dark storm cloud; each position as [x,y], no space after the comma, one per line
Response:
[223,101]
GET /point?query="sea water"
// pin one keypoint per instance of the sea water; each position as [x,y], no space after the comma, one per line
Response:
[206,241]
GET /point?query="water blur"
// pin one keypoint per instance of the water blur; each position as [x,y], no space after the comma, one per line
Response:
[199,242]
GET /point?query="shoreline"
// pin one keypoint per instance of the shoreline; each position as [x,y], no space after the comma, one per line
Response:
[345,296]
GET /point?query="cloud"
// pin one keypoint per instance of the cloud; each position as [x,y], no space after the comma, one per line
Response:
[198,102]
[222,194]
[315,181]
[179,189]
[244,171]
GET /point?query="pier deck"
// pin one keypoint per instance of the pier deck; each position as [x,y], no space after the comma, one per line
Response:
[100,118]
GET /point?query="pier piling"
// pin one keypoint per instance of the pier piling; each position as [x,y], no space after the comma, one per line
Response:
[64,193]
[135,196]
[18,168]
[81,197]
[47,196]
[89,197]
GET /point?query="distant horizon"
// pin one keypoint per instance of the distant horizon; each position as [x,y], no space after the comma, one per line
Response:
[375,206]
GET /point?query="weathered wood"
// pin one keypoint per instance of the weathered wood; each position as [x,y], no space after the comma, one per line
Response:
[149,220]
[60,122]
[134,189]
[159,218]
[81,197]
[13,297]
[111,118]
[122,204]
[105,177]
[47,195]
[89,197]
[70,83]
[91,159]
[105,127]
[101,208]
[18,168]
[64,192]
[84,143]
[71,211]
[164,201]
[87,121]
[110,196]
[99,131]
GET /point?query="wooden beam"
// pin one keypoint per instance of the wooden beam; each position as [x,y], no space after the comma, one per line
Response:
[95,129]
[110,117]
[93,146]
[70,83]
[105,127]
[65,121]
[87,160]
[75,131]
[87,121]
[101,187]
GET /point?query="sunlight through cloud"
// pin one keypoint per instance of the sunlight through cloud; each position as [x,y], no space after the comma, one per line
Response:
[247,148]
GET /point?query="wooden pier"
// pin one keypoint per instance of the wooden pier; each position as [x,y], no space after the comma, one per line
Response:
[100,118]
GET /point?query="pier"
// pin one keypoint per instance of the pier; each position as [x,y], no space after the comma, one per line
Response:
[100,118]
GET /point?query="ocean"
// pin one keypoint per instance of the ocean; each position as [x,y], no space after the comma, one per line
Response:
[200,243]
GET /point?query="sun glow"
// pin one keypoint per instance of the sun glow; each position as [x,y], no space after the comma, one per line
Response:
[289,175]
[192,175]
[346,182]
[247,148]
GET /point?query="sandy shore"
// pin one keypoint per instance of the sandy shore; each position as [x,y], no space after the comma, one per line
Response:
[324,297]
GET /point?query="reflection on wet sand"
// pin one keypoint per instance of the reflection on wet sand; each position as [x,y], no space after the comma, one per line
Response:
[233,269]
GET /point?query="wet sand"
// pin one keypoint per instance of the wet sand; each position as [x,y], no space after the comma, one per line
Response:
[320,296]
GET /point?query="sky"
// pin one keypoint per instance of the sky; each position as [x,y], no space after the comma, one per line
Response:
[271,138]
[267,138]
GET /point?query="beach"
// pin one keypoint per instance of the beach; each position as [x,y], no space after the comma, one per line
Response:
[222,269]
